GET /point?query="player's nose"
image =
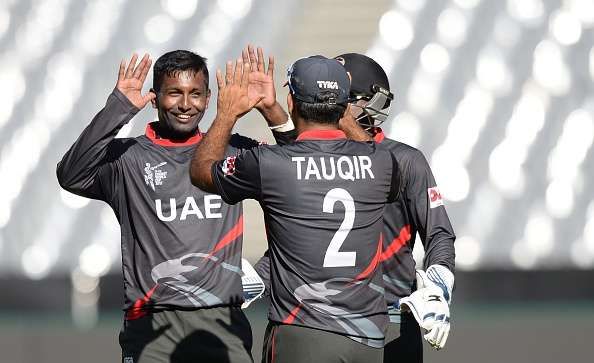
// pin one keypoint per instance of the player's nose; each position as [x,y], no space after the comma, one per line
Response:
[185,104]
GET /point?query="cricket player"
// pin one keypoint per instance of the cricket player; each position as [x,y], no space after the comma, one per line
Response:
[424,295]
[181,246]
[323,198]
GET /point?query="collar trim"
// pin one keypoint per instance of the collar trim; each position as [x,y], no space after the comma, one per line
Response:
[378,134]
[152,135]
[321,135]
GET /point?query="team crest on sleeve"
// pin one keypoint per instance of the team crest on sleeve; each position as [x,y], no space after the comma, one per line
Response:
[153,175]
[435,199]
[228,166]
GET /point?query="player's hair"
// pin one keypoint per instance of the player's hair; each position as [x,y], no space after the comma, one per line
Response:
[322,112]
[177,61]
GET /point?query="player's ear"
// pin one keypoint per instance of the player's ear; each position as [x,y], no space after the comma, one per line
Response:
[154,100]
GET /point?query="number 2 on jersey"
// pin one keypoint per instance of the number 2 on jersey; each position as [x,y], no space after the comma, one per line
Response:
[333,257]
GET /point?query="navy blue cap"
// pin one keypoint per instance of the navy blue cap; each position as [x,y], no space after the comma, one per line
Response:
[313,77]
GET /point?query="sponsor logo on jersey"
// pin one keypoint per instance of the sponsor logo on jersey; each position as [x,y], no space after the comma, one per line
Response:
[128,360]
[229,165]
[153,175]
[435,199]
[328,84]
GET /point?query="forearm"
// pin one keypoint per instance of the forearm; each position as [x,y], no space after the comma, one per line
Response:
[279,123]
[441,251]
[274,115]
[210,150]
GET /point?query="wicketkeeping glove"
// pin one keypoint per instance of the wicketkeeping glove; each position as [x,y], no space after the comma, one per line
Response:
[253,286]
[429,304]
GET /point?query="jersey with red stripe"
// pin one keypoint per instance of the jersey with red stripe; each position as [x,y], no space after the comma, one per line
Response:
[323,198]
[418,209]
[181,247]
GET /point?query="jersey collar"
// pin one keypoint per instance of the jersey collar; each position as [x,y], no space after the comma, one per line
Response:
[378,134]
[152,135]
[321,135]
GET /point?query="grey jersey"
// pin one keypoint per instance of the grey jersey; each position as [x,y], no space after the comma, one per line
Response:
[418,209]
[323,199]
[181,247]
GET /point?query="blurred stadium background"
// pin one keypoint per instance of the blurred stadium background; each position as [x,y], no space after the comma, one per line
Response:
[496,93]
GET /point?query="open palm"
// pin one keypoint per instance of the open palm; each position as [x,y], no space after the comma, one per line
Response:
[260,80]
[131,79]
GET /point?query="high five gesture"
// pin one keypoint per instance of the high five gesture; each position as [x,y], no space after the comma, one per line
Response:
[261,79]
[234,98]
[233,101]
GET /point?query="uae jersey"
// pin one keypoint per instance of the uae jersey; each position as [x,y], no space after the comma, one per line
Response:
[181,247]
[323,198]
[418,209]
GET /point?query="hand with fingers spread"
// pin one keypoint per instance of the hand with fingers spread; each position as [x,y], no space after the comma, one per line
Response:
[261,78]
[234,99]
[131,79]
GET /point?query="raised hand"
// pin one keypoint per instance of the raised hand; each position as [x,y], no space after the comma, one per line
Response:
[234,99]
[261,78]
[131,79]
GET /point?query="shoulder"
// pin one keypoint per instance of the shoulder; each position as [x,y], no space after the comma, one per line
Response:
[119,147]
[405,154]
[242,142]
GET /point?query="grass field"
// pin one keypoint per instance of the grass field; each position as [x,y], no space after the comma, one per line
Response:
[543,333]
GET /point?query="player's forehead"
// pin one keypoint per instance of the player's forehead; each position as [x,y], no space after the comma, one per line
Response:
[185,80]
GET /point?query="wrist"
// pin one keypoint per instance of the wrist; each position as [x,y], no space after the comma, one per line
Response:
[226,118]
[274,115]
[266,109]
[285,127]
[443,278]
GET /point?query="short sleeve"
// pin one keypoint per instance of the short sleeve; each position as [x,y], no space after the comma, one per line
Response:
[238,177]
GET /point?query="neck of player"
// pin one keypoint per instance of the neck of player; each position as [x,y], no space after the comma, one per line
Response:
[307,125]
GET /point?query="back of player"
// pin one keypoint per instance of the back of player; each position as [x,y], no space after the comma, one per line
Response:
[323,199]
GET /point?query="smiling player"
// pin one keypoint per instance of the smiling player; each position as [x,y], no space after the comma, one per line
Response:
[181,246]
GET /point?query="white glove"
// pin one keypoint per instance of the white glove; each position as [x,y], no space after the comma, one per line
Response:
[429,306]
[253,286]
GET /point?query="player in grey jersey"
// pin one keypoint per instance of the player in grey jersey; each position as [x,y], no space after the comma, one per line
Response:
[419,209]
[181,246]
[323,198]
